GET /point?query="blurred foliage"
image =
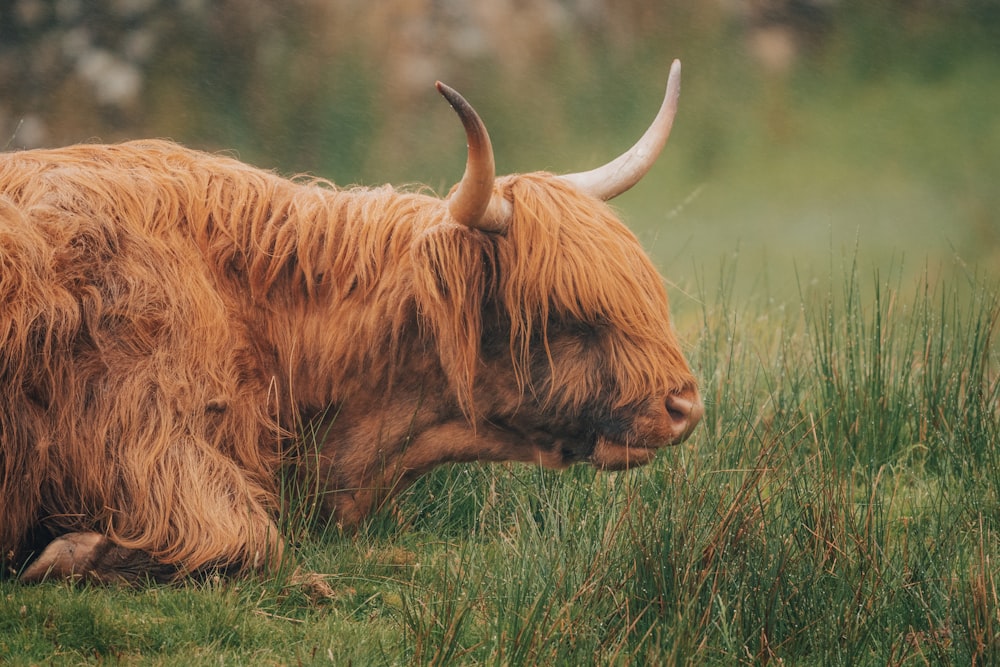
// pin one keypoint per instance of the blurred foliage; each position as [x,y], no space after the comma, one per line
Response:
[804,123]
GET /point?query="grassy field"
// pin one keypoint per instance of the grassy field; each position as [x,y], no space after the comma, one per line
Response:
[840,504]
[832,244]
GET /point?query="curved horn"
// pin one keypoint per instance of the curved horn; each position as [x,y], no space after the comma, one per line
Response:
[471,198]
[626,170]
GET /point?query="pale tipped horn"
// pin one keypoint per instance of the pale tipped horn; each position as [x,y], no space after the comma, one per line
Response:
[469,203]
[622,173]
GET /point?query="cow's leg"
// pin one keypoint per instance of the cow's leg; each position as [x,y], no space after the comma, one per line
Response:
[193,511]
[89,556]
[65,557]
[201,511]
[94,557]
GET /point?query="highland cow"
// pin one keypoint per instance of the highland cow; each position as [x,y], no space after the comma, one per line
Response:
[170,320]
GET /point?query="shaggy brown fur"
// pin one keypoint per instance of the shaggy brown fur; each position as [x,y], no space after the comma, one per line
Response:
[169,319]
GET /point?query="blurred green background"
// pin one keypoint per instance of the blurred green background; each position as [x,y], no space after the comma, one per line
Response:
[811,132]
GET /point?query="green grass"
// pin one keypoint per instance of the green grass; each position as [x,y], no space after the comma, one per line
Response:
[840,504]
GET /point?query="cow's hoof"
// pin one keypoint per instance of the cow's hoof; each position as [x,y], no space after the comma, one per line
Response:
[93,557]
[68,556]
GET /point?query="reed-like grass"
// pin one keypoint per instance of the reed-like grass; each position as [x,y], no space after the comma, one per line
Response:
[839,505]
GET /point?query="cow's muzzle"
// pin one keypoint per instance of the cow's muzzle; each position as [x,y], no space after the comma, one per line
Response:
[684,411]
[669,423]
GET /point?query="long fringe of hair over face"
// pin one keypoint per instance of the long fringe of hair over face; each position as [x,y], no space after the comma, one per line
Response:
[564,257]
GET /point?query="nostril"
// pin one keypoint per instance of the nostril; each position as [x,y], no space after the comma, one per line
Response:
[679,409]
[685,409]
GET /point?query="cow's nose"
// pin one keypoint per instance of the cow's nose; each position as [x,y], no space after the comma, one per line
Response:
[685,410]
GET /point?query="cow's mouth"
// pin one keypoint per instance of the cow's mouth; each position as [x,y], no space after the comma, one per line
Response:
[618,445]
[635,440]
[611,455]
[607,444]
[604,450]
